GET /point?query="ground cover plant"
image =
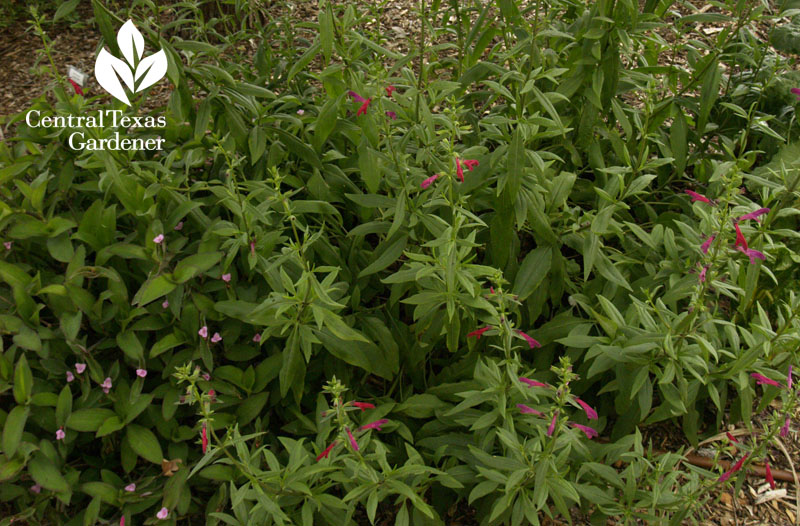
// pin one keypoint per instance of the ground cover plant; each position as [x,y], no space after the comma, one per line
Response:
[358,283]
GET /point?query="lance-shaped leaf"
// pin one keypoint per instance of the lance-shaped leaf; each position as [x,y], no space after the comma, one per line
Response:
[130,42]
[153,68]
[106,69]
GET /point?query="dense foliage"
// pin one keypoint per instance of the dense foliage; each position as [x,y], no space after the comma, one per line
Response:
[356,278]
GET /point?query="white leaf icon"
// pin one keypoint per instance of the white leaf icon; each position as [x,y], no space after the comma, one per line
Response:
[130,42]
[106,68]
[155,66]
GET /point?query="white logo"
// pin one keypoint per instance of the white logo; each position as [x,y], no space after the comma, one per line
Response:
[137,74]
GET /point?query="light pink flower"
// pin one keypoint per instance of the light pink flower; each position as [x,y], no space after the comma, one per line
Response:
[591,414]
[532,383]
[203,332]
[761,380]
[427,182]
[179,226]
[531,342]
[706,244]
[106,385]
[8,245]
[141,373]
[36,488]
[353,442]
[754,215]
[70,376]
[301,111]
[376,425]
[226,278]
[206,377]
[552,426]
[158,239]
[165,305]
[216,338]
[524,409]
[698,197]
[80,367]
[703,274]
[130,487]
[590,432]
[60,435]
[257,338]
[163,513]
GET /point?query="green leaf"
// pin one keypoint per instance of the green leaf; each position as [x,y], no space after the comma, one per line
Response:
[153,289]
[369,166]
[533,270]
[45,473]
[63,406]
[89,420]
[131,346]
[12,430]
[251,408]
[23,381]
[515,164]
[195,265]
[258,143]
[386,254]
[144,443]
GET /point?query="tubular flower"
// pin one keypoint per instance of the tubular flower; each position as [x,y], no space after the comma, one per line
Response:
[736,467]
[698,197]
[459,171]
[754,215]
[552,426]
[789,378]
[731,437]
[376,425]
[392,115]
[427,182]
[703,274]
[706,244]
[363,109]
[122,521]
[740,240]
[327,451]
[389,90]
[353,442]
[769,475]
[363,405]
[76,87]
[785,427]
[752,254]
[591,414]
[524,409]
[364,102]
[590,432]
[531,342]
[796,91]
[532,383]
[478,333]
[761,380]
[470,164]
[204,437]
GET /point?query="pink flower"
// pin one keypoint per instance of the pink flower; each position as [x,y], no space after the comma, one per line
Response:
[459,171]
[524,409]
[470,164]
[130,487]
[752,254]
[532,383]
[257,338]
[216,338]
[706,244]
[158,239]
[141,373]
[106,385]
[204,437]
[427,182]
[363,405]
[226,278]
[364,102]
[122,521]
[376,425]
[203,332]
[789,378]
[785,427]
[392,115]
[698,197]
[163,513]
[165,305]
[301,111]
[591,414]
[389,90]
[491,290]
[60,435]
[253,247]
[179,226]
[206,377]
[478,333]
[80,367]
[552,426]
[796,91]
[754,215]
[76,87]
[36,488]
[212,395]
[356,96]
[740,240]
[736,467]
[731,437]
[8,245]
[761,380]
[590,432]
[703,274]
[353,442]
[327,451]
[70,376]
[531,342]
[769,475]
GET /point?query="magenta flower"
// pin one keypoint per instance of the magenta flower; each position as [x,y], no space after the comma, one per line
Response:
[106,385]
[740,240]
[165,305]
[769,475]
[141,373]
[525,410]
[179,226]
[761,380]
[789,378]
[162,513]
[158,239]
[736,467]
[60,435]
[8,245]
[731,437]
[206,377]
[591,414]
[70,376]
[470,164]
[703,274]
[590,432]
[216,338]
[531,342]
[353,442]
[122,521]
[226,278]
[796,91]
[130,487]
[491,290]
[389,90]
[257,338]
[698,197]
[427,182]
[754,215]
[356,96]
[80,367]
[204,439]
[532,383]
[203,332]
[785,427]
[392,115]
[363,405]
[78,89]
[706,244]
[36,488]
[376,425]
[364,102]
[459,171]
[327,451]
[752,254]
[479,332]
[552,424]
